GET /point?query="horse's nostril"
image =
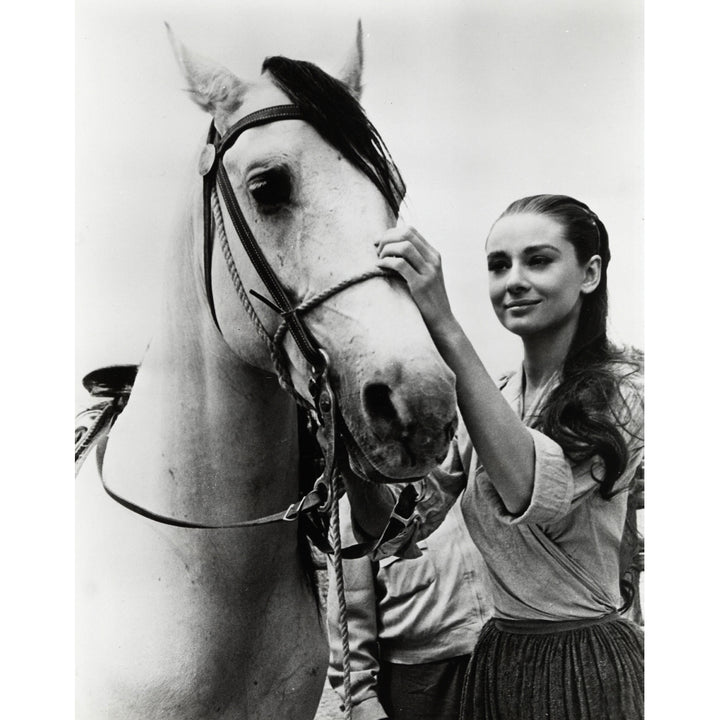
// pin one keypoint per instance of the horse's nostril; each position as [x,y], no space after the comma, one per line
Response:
[378,405]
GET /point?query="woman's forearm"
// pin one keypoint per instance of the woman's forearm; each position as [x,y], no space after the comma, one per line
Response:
[503,443]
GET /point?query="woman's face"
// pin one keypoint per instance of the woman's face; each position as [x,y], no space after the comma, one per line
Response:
[536,281]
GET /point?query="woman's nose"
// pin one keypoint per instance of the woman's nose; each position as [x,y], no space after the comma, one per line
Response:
[515,281]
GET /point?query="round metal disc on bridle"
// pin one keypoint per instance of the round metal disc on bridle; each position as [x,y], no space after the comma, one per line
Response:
[206,159]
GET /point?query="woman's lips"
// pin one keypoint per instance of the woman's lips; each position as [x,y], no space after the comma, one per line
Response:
[517,304]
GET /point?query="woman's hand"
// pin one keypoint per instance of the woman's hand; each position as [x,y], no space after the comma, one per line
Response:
[404,250]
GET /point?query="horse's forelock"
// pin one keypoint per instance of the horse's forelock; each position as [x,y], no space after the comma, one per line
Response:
[340,119]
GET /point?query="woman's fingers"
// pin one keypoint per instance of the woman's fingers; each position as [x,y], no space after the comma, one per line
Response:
[407,234]
[403,250]
[402,267]
[406,250]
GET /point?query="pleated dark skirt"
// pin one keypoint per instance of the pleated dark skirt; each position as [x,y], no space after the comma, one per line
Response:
[591,672]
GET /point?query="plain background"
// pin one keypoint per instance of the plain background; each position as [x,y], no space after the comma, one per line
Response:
[43,238]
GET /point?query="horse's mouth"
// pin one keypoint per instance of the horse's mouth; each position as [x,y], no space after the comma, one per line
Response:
[360,465]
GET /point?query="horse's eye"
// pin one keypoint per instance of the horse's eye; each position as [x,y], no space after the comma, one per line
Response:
[271,189]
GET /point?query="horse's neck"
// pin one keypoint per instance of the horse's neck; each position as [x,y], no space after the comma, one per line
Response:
[204,436]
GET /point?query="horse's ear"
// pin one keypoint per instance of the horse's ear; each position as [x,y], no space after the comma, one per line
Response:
[351,73]
[213,87]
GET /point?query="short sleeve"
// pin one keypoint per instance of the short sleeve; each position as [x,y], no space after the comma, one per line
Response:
[553,486]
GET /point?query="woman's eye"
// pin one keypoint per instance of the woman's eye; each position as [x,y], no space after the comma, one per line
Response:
[539,260]
[497,265]
[271,190]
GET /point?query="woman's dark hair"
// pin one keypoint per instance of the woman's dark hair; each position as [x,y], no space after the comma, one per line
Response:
[585,413]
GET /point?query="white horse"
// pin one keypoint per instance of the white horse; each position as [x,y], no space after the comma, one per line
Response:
[184,623]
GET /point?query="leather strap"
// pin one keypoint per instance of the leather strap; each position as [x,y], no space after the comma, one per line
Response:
[315,498]
[216,172]
[310,509]
[208,234]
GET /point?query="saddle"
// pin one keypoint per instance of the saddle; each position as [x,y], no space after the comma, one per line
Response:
[113,384]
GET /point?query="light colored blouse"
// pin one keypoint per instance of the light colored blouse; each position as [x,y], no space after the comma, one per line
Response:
[558,560]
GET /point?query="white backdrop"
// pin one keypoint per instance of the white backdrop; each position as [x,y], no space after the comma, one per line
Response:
[479,102]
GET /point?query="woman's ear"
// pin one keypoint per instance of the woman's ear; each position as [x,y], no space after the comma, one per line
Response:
[593,275]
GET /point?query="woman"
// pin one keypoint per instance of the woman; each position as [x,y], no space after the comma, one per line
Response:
[547,461]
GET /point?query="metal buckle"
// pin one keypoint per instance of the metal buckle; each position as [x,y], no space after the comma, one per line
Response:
[294,510]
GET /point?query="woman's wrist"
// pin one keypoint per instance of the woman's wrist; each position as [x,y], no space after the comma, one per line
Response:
[446,332]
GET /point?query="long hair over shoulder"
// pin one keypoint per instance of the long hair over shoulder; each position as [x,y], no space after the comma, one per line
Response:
[586,413]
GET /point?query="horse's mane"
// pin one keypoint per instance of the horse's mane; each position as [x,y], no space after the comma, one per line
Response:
[341,121]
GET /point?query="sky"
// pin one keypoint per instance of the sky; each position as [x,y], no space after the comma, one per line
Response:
[480,103]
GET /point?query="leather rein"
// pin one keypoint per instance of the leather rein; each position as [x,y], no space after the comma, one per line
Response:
[324,410]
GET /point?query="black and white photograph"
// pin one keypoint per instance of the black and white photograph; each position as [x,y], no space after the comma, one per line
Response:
[360,314]
[284,263]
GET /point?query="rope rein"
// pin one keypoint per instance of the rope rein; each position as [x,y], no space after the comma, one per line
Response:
[315,300]
[336,544]
[273,348]
[280,363]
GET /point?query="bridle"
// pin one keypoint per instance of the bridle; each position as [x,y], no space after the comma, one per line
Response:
[323,410]
[214,172]
[215,175]
[326,412]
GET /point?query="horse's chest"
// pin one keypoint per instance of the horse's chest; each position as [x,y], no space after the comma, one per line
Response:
[184,618]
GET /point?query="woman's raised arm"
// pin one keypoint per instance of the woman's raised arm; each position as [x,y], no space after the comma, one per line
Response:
[503,444]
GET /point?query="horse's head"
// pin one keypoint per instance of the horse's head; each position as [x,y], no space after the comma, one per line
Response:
[315,193]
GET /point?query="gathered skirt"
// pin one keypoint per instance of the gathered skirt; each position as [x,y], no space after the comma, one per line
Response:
[590,672]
